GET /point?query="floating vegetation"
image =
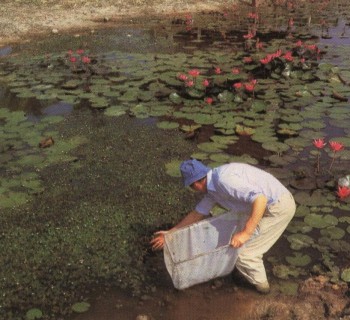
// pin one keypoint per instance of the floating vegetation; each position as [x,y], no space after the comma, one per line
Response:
[273,94]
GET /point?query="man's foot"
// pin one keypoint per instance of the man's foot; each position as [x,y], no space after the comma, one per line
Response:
[263,288]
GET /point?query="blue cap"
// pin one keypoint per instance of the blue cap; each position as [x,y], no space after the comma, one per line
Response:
[192,171]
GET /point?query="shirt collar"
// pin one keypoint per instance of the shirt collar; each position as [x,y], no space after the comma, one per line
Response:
[210,184]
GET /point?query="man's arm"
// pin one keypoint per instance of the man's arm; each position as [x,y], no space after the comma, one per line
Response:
[158,241]
[258,210]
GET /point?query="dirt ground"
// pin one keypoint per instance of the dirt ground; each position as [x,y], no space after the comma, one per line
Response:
[21,21]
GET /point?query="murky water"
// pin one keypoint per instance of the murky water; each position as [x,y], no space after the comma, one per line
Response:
[118,163]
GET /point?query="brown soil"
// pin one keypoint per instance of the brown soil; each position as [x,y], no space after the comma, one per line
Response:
[20,21]
[220,299]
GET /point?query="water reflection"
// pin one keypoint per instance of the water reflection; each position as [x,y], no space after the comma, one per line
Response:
[5,51]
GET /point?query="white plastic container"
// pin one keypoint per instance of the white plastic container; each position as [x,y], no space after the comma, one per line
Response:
[201,251]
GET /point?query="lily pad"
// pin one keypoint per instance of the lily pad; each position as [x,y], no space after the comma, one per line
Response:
[299,259]
[167,125]
[320,221]
[298,241]
[81,307]
[285,272]
[173,168]
[33,314]
[345,275]
[333,233]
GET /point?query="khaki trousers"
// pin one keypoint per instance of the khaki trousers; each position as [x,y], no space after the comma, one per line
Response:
[274,222]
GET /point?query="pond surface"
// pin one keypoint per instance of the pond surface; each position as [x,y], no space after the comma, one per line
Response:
[116,111]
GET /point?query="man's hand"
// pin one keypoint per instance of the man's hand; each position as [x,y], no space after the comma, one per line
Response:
[158,241]
[239,239]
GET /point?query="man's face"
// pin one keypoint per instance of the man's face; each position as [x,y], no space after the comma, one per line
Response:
[200,185]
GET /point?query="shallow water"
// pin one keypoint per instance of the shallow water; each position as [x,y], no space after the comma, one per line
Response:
[122,165]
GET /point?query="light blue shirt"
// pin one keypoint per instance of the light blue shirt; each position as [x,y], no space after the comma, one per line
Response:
[235,186]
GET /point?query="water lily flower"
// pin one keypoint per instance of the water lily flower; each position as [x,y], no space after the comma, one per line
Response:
[343,192]
[248,36]
[247,59]
[319,143]
[182,77]
[217,70]
[299,43]
[86,59]
[336,146]
[209,100]
[266,60]
[288,56]
[206,82]
[73,59]
[249,87]
[237,85]
[189,83]
[236,71]
[194,73]
[80,51]
[277,54]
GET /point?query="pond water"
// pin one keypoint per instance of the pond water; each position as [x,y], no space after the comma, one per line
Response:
[116,111]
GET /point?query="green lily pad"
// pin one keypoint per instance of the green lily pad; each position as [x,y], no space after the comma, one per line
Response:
[298,226]
[115,111]
[33,314]
[299,259]
[275,146]
[333,233]
[285,272]
[167,125]
[345,275]
[298,241]
[211,147]
[81,307]
[173,168]
[320,221]
[317,198]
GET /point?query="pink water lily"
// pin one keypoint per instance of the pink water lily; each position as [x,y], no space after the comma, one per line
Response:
[336,147]
[343,192]
[217,70]
[236,71]
[299,43]
[247,59]
[194,73]
[209,100]
[182,77]
[237,85]
[86,59]
[206,82]
[248,36]
[189,83]
[249,87]
[288,56]
[319,143]
[266,60]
